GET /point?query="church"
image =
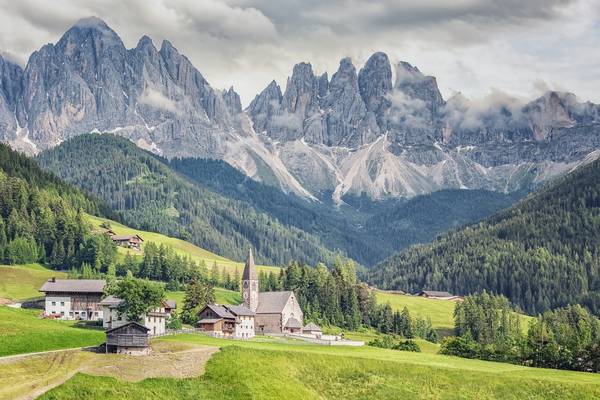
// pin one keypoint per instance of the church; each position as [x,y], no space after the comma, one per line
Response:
[275,312]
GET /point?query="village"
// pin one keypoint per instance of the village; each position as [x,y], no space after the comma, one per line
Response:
[276,313]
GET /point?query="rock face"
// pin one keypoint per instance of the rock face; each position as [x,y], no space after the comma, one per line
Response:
[353,133]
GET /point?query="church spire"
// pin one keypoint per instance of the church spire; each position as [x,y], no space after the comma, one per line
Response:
[250,283]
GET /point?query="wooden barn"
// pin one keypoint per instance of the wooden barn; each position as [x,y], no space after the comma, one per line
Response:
[131,338]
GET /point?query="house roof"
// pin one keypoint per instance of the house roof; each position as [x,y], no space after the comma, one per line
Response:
[293,323]
[74,285]
[111,301]
[122,238]
[436,293]
[135,324]
[249,268]
[220,311]
[172,304]
[272,302]
[312,327]
[209,320]
[240,310]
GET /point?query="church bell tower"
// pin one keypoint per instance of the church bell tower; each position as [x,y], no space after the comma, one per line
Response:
[250,284]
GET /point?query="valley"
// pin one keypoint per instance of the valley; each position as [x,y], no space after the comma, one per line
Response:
[358,230]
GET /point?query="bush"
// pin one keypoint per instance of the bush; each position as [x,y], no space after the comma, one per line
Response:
[407,345]
[461,346]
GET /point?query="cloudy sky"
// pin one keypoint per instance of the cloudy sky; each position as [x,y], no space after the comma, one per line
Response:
[478,47]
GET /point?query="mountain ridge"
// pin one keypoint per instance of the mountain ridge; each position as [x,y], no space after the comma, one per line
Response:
[356,132]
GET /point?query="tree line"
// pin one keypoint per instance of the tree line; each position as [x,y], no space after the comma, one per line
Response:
[541,254]
[487,327]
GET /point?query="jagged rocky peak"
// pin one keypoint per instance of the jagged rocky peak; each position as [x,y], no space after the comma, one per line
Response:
[11,75]
[232,100]
[552,110]
[265,106]
[375,83]
[91,34]
[416,85]
[301,92]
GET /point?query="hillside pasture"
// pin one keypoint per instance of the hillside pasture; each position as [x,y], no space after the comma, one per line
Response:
[274,370]
[22,331]
[179,246]
[21,282]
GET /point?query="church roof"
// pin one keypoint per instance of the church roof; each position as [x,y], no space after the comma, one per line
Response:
[272,302]
[250,268]
[293,323]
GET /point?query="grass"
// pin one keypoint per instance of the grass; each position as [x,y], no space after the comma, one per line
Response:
[21,331]
[20,282]
[223,296]
[263,369]
[180,246]
[441,312]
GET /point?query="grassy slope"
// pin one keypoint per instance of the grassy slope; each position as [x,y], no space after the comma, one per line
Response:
[223,296]
[441,312]
[270,370]
[20,282]
[180,246]
[21,331]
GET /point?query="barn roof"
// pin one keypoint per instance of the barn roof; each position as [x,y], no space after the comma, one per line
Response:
[272,302]
[220,311]
[312,327]
[436,293]
[293,323]
[240,310]
[74,285]
[134,324]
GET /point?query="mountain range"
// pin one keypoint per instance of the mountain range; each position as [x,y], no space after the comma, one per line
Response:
[370,131]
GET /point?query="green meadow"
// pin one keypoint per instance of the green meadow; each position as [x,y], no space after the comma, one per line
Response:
[20,282]
[22,331]
[275,369]
[441,312]
[180,246]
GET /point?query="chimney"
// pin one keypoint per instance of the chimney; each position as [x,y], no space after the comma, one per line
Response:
[53,279]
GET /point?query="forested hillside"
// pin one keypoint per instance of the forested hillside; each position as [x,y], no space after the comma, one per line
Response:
[41,218]
[542,253]
[147,194]
[367,230]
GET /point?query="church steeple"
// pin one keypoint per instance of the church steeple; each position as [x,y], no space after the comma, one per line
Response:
[250,283]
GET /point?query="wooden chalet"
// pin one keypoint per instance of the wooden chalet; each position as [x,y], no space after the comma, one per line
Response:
[131,338]
[73,299]
[129,241]
[216,320]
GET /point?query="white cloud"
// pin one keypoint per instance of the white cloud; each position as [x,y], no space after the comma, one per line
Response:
[156,99]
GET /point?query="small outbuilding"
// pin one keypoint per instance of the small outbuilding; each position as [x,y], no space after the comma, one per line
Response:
[131,338]
[293,326]
[312,329]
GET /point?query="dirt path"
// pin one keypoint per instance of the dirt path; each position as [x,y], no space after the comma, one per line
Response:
[30,376]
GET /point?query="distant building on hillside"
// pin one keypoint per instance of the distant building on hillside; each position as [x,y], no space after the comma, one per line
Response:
[236,322]
[73,299]
[434,294]
[129,241]
[276,312]
[155,320]
[130,338]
